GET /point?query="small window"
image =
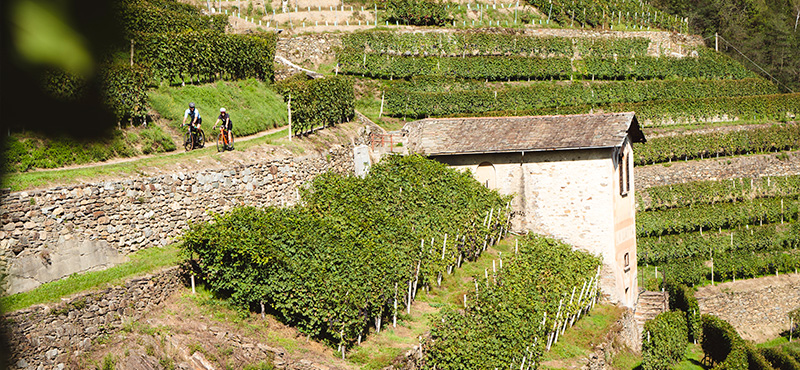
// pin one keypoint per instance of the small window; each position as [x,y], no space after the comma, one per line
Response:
[627,259]
[624,173]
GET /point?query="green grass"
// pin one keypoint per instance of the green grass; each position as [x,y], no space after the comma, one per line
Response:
[587,332]
[252,104]
[28,180]
[691,361]
[626,360]
[140,262]
[371,108]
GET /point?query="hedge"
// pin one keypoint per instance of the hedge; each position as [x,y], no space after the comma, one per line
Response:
[324,101]
[166,16]
[780,359]
[664,340]
[682,298]
[207,55]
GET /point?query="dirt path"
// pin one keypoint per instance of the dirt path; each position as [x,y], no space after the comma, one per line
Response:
[717,169]
[140,157]
[757,308]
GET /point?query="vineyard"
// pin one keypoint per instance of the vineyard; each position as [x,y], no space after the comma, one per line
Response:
[505,323]
[509,73]
[357,250]
[721,230]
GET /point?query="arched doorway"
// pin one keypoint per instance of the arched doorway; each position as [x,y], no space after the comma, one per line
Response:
[485,174]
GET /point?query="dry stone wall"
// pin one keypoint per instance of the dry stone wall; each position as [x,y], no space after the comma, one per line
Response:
[129,215]
[44,337]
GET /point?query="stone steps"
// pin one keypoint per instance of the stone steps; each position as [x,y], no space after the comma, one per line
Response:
[648,306]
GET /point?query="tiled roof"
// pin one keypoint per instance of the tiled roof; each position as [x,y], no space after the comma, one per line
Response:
[513,134]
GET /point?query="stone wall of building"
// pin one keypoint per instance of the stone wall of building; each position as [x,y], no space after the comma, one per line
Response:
[568,195]
[44,230]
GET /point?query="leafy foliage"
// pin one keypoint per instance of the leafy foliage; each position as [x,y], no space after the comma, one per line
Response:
[710,217]
[505,322]
[591,13]
[335,262]
[710,192]
[766,33]
[759,140]
[513,67]
[708,64]
[166,16]
[207,55]
[664,340]
[417,12]
[430,96]
[125,91]
[682,298]
[656,250]
[486,43]
[324,101]
[727,349]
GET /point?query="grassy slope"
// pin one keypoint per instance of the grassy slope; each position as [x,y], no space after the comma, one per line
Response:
[141,262]
[22,181]
[253,106]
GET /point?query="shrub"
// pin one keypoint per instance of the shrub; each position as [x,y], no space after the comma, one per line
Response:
[664,340]
[682,298]
[780,359]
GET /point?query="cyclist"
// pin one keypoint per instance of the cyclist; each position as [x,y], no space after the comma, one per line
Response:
[227,125]
[195,120]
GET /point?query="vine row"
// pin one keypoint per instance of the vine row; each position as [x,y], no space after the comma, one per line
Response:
[711,217]
[422,97]
[517,313]
[483,43]
[710,192]
[757,140]
[494,68]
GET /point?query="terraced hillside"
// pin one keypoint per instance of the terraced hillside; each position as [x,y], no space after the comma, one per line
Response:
[510,72]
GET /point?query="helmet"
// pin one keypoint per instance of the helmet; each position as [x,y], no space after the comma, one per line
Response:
[222,110]
[191,105]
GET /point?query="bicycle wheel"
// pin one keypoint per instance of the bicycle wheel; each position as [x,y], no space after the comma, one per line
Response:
[188,143]
[230,144]
[201,138]
[220,143]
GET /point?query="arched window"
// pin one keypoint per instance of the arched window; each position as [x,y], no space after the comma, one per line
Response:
[485,174]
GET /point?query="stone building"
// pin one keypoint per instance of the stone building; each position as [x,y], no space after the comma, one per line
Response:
[571,177]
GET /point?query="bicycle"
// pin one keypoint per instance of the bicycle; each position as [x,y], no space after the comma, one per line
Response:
[194,139]
[222,140]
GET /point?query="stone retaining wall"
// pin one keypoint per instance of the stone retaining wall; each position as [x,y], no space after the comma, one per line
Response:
[46,337]
[134,214]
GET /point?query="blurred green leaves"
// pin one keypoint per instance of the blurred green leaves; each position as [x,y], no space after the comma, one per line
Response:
[43,36]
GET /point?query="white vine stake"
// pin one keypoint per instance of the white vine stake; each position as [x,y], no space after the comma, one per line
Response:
[394,318]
